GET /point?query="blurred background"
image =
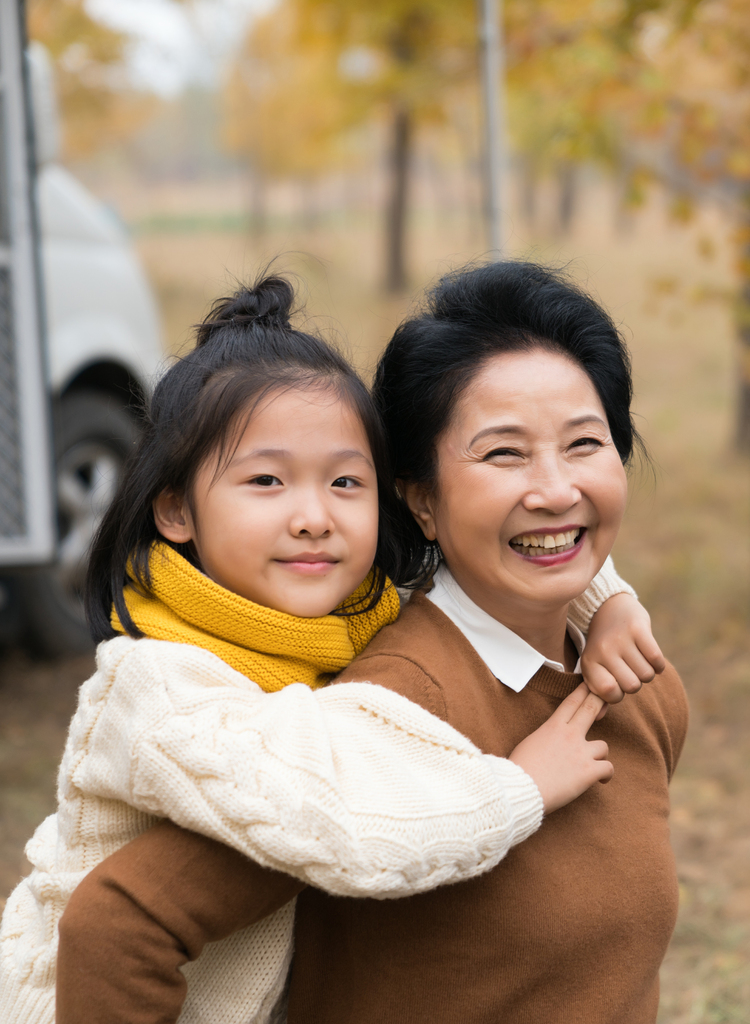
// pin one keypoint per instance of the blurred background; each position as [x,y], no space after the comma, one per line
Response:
[346,141]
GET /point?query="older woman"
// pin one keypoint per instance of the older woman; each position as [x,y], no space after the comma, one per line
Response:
[507,407]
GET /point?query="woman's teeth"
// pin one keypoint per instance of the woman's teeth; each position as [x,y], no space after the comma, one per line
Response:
[536,544]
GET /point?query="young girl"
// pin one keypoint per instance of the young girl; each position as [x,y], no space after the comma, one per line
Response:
[247,551]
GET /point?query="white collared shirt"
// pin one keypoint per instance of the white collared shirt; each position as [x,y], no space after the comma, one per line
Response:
[509,658]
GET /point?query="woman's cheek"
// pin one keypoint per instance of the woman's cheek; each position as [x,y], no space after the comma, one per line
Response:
[609,486]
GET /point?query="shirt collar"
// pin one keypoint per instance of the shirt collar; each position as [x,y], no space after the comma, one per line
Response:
[507,656]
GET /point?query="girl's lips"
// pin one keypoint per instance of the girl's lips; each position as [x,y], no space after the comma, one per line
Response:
[307,568]
[554,559]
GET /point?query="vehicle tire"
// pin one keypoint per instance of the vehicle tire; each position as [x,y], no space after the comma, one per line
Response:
[94,434]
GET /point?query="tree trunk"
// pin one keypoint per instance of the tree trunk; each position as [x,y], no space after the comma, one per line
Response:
[742,437]
[743,397]
[395,227]
[258,203]
[567,184]
[529,190]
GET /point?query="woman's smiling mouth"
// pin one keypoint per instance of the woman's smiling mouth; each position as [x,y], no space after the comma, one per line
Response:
[543,545]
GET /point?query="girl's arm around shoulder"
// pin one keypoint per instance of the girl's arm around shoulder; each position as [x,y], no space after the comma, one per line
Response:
[607,583]
[352,788]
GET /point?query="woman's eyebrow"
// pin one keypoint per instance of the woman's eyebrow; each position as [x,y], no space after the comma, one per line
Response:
[589,417]
[508,428]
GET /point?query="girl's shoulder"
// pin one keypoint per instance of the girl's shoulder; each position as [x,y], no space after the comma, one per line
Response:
[148,662]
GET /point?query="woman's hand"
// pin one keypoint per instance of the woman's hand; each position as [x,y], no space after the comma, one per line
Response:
[621,653]
[559,758]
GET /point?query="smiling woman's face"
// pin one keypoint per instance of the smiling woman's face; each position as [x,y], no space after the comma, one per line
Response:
[526,465]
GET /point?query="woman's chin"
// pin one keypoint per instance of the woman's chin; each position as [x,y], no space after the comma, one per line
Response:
[557,578]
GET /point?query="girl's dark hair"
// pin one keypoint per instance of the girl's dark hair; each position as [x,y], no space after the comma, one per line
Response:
[246,349]
[471,315]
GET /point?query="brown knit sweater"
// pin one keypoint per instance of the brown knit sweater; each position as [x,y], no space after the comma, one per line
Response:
[569,929]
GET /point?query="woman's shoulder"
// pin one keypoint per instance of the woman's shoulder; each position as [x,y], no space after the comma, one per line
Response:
[411,656]
[663,703]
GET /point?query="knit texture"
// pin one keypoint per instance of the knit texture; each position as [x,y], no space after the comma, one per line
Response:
[177,729]
[604,585]
[270,647]
[570,928]
[167,729]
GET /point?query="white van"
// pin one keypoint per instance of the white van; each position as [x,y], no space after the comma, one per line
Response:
[103,351]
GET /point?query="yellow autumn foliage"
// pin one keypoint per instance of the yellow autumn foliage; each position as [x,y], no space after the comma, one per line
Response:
[96,106]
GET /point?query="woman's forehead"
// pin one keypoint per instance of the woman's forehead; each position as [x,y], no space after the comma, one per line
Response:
[517,388]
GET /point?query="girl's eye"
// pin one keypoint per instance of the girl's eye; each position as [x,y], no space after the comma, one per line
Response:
[265,481]
[344,481]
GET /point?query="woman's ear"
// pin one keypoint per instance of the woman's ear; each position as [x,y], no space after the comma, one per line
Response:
[172,518]
[420,500]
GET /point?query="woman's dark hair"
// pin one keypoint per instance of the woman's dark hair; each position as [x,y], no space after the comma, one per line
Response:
[471,315]
[246,349]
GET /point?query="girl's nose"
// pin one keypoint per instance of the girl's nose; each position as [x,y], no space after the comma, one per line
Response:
[552,487]
[312,519]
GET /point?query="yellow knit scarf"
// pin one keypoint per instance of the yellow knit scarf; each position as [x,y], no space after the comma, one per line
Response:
[270,647]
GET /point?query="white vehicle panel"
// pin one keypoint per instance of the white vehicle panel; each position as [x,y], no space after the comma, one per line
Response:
[99,305]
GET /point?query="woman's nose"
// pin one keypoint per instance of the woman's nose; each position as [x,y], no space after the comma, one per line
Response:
[552,487]
[312,519]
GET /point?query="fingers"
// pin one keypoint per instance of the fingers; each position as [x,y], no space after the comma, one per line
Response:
[572,703]
[651,651]
[598,749]
[603,683]
[630,681]
[587,711]
[603,769]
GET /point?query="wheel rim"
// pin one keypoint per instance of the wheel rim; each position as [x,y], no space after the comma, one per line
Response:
[87,477]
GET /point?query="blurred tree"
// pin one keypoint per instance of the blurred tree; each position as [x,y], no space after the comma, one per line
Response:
[96,105]
[655,89]
[285,109]
[697,122]
[313,68]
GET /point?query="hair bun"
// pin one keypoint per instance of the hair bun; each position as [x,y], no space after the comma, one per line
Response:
[269,301]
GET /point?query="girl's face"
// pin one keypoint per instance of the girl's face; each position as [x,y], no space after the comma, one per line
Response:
[291,523]
[530,488]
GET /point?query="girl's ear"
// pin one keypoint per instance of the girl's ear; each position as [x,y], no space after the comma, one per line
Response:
[172,517]
[420,500]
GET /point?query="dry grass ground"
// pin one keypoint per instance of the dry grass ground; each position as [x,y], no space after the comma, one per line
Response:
[685,545]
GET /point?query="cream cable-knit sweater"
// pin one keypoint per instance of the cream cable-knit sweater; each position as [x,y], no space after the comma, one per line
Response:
[170,730]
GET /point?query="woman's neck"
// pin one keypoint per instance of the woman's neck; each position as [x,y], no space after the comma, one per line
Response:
[542,627]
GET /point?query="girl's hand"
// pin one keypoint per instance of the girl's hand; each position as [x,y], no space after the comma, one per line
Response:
[559,758]
[621,653]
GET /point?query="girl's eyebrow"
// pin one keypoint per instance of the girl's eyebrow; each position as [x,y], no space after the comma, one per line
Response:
[352,453]
[284,453]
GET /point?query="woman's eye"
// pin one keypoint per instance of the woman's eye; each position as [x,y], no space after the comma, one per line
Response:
[500,452]
[587,442]
[344,481]
[266,480]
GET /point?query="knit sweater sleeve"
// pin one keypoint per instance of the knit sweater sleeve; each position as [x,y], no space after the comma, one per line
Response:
[604,585]
[352,788]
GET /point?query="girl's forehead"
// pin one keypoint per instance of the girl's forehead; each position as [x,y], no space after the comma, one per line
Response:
[304,420]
